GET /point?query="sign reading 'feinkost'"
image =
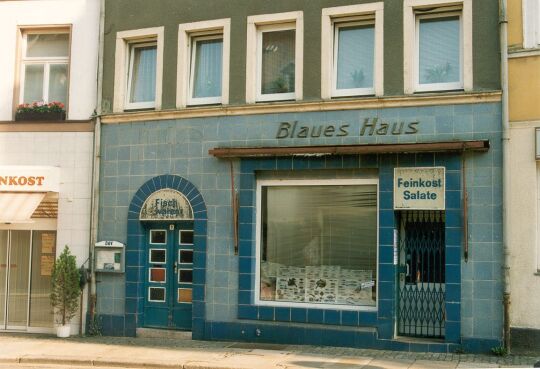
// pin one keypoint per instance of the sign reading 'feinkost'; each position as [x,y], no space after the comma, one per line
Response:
[29,179]
[419,188]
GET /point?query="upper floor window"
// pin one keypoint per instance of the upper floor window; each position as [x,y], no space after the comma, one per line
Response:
[531,23]
[352,50]
[44,66]
[138,69]
[203,63]
[437,45]
[274,57]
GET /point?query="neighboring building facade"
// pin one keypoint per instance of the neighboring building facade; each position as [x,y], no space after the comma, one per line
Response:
[326,174]
[524,110]
[50,54]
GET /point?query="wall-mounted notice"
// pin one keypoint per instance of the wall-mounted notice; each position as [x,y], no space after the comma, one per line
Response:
[47,263]
[48,241]
[419,188]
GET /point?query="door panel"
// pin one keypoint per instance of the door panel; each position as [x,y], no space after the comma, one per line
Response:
[3,276]
[182,306]
[421,294]
[43,248]
[18,284]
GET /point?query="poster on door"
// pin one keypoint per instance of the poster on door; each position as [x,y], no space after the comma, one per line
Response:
[47,264]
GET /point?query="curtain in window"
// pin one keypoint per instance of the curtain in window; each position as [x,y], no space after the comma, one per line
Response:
[33,82]
[58,83]
[278,52]
[355,57]
[439,49]
[208,68]
[143,75]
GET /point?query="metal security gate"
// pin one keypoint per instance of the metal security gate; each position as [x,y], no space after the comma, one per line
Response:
[421,291]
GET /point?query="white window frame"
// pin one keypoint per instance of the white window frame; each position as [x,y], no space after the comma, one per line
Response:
[157,230]
[178,297]
[258,246]
[156,262]
[180,256]
[150,275]
[157,288]
[125,40]
[143,104]
[46,61]
[180,236]
[187,33]
[256,25]
[531,24]
[188,269]
[332,19]
[410,44]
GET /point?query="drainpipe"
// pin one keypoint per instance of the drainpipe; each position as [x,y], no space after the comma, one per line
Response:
[96,163]
[503,23]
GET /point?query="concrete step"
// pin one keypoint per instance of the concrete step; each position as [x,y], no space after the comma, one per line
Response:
[163,333]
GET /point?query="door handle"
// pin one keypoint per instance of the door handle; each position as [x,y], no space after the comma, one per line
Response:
[175,267]
[408,273]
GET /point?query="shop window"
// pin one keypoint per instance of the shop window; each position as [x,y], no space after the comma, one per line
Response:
[317,243]
[138,69]
[203,63]
[438,45]
[274,57]
[44,66]
[352,50]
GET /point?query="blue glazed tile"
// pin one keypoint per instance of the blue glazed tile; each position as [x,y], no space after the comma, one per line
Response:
[199,257]
[365,340]
[483,289]
[266,313]
[387,272]
[452,332]
[283,314]
[198,329]
[131,289]
[453,255]
[386,253]
[386,309]
[349,318]
[245,215]
[299,163]
[244,297]
[387,219]
[198,292]
[198,309]
[386,201]
[453,292]
[453,312]
[386,290]
[245,281]
[199,276]
[130,306]
[453,200]
[130,325]
[246,198]
[418,347]
[450,161]
[332,317]
[368,318]
[199,228]
[246,265]
[483,270]
[453,237]
[339,338]
[314,336]
[247,312]
[385,328]
[284,163]
[453,218]
[453,274]
[245,248]
[315,316]
[386,238]
[245,231]
[438,348]
[298,315]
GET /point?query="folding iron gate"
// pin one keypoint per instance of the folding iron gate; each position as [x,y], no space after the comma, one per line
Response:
[421,291]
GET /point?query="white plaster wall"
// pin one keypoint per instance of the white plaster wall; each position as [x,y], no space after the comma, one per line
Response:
[72,152]
[524,242]
[83,15]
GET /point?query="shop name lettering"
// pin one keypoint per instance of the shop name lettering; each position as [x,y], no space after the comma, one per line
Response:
[370,127]
[165,207]
[416,194]
[21,181]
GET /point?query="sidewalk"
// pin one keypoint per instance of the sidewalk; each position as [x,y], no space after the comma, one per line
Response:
[17,350]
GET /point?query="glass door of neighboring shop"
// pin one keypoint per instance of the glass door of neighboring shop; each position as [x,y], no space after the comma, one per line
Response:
[26,260]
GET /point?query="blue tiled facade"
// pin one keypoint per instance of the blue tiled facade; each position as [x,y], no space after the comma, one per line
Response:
[138,158]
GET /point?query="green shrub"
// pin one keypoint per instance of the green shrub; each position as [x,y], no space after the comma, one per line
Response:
[65,287]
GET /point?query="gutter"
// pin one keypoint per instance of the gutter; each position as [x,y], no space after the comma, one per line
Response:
[96,165]
[503,24]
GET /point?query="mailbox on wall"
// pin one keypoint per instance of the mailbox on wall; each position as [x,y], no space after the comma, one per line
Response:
[109,257]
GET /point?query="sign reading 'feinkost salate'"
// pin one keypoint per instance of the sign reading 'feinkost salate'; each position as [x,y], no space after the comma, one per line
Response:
[419,188]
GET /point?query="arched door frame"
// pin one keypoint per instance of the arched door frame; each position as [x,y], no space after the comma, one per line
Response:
[134,286]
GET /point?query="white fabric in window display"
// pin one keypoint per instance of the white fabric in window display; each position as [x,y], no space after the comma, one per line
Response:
[48,44]
[278,52]
[319,244]
[33,82]
[439,50]
[208,66]
[58,83]
[143,83]
[355,57]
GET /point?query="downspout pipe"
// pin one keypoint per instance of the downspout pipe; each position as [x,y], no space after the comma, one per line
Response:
[503,33]
[96,164]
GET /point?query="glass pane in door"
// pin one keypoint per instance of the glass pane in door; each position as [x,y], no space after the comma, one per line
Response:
[18,279]
[3,276]
[43,254]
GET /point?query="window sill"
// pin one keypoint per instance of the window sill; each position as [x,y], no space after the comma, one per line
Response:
[537,273]
[523,53]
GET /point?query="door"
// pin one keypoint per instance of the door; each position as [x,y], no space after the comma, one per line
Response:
[421,292]
[169,276]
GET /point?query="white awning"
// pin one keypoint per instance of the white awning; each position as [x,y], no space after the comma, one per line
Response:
[18,207]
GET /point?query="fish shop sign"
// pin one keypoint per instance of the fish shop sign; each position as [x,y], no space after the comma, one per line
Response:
[419,188]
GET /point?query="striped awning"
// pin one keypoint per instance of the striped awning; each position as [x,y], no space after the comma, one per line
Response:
[18,207]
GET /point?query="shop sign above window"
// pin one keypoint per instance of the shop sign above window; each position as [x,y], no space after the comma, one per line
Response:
[29,179]
[166,204]
[419,188]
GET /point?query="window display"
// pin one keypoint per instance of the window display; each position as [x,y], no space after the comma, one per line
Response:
[318,242]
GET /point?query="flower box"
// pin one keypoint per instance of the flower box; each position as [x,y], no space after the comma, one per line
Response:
[40,116]
[40,111]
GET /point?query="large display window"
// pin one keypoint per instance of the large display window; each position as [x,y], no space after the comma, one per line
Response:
[317,243]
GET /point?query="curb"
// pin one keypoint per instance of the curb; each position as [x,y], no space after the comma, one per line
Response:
[48,360]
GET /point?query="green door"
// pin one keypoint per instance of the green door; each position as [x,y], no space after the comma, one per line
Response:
[169,275]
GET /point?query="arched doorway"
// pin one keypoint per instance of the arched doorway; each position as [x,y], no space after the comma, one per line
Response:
[165,254]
